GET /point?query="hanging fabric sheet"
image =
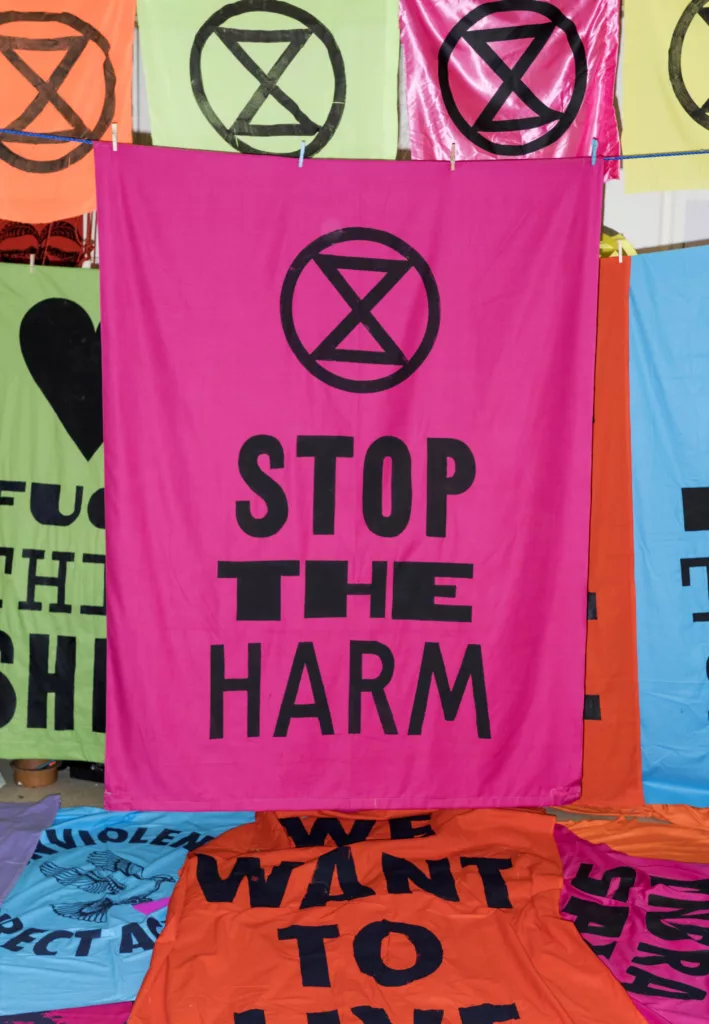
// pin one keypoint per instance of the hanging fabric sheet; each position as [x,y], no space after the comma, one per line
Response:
[669,380]
[52,562]
[65,70]
[263,76]
[116,1014]
[511,78]
[665,93]
[325,451]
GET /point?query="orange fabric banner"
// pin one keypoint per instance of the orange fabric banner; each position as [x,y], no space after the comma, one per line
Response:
[647,839]
[65,69]
[451,916]
[611,756]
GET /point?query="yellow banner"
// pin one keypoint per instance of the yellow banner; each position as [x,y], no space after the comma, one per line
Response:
[665,92]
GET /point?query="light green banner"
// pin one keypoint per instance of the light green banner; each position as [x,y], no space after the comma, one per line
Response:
[262,76]
[52,538]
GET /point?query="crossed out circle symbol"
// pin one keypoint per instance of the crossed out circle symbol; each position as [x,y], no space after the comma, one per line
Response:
[487,126]
[48,90]
[298,124]
[399,356]
[696,9]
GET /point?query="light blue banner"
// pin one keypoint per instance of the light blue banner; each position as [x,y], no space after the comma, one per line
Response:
[669,413]
[79,927]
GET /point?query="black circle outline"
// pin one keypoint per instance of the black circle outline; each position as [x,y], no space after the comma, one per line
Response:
[559,20]
[323,33]
[109,106]
[432,294]
[700,116]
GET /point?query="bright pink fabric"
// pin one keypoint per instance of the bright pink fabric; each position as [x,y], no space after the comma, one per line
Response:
[648,919]
[568,76]
[195,250]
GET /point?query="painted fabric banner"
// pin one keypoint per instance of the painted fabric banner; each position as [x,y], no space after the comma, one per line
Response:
[612,772]
[52,559]
[66,70]
[262,76]
[348,457]
[648,919]
[20,828]
[74,931]
[665,92]
[450,916]
[669,378]
[117,1014]
[511,78]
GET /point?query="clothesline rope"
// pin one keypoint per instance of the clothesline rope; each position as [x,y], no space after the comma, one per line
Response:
[624,156]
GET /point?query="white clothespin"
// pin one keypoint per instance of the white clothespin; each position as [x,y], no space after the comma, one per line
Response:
[594,151]
[452,156]
[114,137]
[301,155]
[620,251]
[32,259]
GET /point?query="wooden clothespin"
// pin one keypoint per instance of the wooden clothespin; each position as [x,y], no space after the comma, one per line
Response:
[594,151]
[32,261]
[301,155]
[114,137]
[620,250]
[452,156]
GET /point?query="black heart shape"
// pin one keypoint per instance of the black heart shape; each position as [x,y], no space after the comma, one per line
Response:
[63,353]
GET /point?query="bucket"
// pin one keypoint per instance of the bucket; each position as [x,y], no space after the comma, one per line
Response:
[35,772]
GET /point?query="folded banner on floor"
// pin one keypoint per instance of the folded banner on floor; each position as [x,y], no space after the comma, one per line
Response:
[65,70]
[669,381]
[116,1014]
[449,916]
[263,76]
[73,931]
[52,559]
[20,828]
[511,78]
[346,460]
[648,919]
[664,94]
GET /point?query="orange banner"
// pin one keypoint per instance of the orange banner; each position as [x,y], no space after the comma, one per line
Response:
[611,758]
[354,920]
[65,70]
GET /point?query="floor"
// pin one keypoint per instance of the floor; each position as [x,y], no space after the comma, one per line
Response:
[74,792]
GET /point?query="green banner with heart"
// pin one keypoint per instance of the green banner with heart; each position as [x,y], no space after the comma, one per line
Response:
[52,536]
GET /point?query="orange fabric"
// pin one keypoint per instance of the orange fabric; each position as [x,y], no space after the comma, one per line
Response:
[484,938]
[611,758]
[647,839]
[64,71]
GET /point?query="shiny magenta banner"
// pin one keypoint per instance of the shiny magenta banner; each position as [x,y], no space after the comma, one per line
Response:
[511,78]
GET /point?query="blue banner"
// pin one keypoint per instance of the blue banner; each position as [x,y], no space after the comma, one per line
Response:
[669,414]
[80,924]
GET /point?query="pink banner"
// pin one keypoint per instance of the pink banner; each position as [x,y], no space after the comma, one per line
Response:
[348,444]
[648,919]
[115,1013]
[511,78]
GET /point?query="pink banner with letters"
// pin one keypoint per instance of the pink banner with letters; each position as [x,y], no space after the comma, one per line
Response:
[648,919]
[348,433]
[511,78]
[113,1013]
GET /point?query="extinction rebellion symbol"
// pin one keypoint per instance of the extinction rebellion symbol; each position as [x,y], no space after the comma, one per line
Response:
[51,91]
[296,44]
[550,40]
[364,301]
[696,13]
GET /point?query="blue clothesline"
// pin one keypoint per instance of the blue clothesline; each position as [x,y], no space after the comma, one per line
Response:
[630,156]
